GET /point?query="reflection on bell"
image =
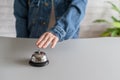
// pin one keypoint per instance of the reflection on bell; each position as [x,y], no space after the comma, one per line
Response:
[39,59]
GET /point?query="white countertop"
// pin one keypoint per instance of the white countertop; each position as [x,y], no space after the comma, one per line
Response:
[81,59]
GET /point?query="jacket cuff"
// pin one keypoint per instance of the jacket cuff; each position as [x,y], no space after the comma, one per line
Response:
[59,32]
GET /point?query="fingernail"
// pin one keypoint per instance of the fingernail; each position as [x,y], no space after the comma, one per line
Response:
[39,46]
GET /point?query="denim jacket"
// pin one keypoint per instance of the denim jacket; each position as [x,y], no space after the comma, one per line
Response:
[32,18]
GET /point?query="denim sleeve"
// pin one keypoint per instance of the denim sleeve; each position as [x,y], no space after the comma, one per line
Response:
[20,12]
[69,23]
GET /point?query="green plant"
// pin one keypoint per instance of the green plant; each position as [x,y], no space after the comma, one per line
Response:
[115,30]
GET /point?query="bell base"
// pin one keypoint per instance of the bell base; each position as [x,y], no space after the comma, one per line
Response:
[42,64]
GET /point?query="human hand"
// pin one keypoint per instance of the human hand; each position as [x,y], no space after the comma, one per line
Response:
[46,39]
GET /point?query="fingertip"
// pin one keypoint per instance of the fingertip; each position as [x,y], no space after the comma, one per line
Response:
[43,46]
[37,44]
[54,42]
[52,47]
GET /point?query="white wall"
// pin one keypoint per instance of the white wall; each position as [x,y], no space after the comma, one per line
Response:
[95,9]
[6,18]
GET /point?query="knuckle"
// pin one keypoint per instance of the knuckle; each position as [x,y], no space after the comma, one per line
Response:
[52,37]
[49,33]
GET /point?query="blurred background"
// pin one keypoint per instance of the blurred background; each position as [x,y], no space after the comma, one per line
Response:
[95,9]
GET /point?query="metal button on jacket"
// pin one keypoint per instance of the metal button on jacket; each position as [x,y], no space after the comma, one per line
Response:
[46,4]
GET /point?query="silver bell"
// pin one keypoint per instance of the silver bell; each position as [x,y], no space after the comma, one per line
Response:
[39,59]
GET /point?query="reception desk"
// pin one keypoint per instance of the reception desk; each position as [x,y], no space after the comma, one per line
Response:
[80,59]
